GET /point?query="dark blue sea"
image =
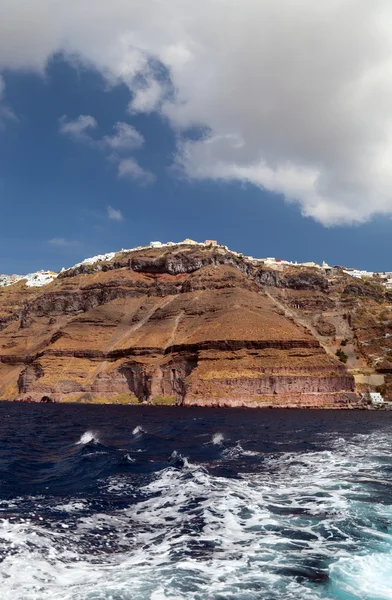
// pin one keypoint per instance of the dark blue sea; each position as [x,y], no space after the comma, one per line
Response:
[136,503]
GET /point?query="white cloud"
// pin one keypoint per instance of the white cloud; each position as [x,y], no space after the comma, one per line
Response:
[146,96]
[78,128]
[126,137]
[114,214]
[117,147]
[63,242]
[128,168]
[295,96]
[6,114]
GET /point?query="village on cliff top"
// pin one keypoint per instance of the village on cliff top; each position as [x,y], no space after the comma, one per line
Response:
[42,277]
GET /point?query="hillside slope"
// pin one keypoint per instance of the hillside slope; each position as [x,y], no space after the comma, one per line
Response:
[186,324]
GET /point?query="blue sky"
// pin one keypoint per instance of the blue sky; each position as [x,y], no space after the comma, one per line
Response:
[63,197]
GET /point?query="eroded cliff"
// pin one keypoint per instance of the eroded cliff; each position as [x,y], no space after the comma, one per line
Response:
[187,325]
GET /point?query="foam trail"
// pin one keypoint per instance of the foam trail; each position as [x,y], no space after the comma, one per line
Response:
[306,525]
[368,577]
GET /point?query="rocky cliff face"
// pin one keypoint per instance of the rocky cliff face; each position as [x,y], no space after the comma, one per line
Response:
[194,326]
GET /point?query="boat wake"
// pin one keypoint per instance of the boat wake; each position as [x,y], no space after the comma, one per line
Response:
[310,525]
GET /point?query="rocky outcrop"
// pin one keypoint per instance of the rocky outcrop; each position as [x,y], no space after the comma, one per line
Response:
[29,376]
[324,327]
[305,280]
[366,290]
[184,325]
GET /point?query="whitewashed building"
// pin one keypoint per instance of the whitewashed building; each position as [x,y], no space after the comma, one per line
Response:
[376,398]
[358,273]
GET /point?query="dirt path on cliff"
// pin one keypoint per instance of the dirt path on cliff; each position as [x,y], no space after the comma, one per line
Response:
[175,328]
[354,362]
[127,327]
[301,322]
[130,328]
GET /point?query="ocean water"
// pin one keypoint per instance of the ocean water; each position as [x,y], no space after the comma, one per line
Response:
[136,503]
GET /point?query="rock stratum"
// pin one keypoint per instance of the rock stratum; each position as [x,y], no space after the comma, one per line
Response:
[192,326]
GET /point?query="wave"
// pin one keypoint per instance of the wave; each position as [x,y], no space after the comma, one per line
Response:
[306,526]
[138,429]
[217,439]
[237,451]
[179,461]
[129,458]
[88,437]
[368,577]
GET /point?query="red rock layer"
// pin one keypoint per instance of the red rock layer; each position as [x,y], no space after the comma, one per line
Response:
[192,326]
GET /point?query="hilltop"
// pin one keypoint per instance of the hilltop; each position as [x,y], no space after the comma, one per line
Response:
[193,323]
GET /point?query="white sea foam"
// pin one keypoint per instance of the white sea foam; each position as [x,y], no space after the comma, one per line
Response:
[217,438]
[87,437]
[71,507]
[180,460]
[237,451]
[138,429]
[197,536]
[368,576]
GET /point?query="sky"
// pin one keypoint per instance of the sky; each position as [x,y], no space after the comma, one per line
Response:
[266,125]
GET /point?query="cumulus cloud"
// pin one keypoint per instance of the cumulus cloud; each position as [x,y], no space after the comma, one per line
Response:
[146,97]
[78,128]
[292,96]
[125,137]
[116,147]
[114,214]
[129,168]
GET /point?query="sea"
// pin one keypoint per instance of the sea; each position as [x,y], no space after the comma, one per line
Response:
[105,502]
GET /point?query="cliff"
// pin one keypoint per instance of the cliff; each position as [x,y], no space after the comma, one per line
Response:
[185,324]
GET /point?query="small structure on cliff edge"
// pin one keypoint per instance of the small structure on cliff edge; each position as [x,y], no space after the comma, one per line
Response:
[189,242]
[376,398]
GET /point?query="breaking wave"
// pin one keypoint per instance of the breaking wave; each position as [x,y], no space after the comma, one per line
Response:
[217,438]
[138,429]
[88,437]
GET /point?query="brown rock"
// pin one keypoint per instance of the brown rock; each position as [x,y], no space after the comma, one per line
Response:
[189,324]
[324,327]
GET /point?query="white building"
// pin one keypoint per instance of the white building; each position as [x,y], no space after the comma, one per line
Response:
[357,273]
[156,244]
[189,242]
[376,398]
[310,264]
